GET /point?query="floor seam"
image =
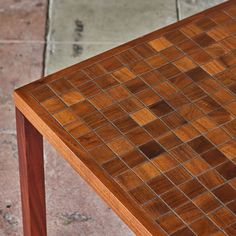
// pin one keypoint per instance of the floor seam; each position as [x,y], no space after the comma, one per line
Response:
[47,26]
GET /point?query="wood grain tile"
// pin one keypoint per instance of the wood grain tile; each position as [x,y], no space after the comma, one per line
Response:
[170,223]
[123,74]
[143,116]
[160,44]
[156,208]
[193,188]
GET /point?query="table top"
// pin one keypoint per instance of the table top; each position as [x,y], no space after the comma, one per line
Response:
[151,126]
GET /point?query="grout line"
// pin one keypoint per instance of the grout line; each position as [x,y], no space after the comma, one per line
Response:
[46,37]
[177,9]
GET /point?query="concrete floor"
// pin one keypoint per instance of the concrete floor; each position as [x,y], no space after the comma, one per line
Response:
[77,29]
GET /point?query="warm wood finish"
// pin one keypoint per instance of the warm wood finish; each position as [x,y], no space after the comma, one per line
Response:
[150,125]
[30,149]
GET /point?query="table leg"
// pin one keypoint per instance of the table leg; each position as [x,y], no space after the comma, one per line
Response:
[31,168]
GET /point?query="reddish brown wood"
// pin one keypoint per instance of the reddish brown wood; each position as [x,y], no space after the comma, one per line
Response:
[30,149]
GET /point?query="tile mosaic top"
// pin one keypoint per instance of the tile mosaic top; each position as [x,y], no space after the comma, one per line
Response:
[158,117]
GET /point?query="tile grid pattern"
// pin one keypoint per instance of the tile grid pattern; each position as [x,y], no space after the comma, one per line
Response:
[159,118]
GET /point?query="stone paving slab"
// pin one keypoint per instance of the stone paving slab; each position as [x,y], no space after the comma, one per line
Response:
[22,20]
[88,29]
[190,7]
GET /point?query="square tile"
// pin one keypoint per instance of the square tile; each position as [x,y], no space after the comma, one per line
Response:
[178,175]
[60,86]
[115,167]
[120,146]
[53,105]
[125,124]
[142,194]
[169,70]
[148,97]
[225,193]
[133,158]
[165,162]
[108,132]
[214,157]
[160,44]
[118,93]
[146,171]
[77,128]
[129,180]
[128,57]
[205,23]
[175,36]
[196,166]
[200,144]
[110,64]
[123,74]
[203,40]
[102,154]
[64,117]
[101,100]
[95,120]
[174,120]
[83,108]
[95,70]
[217,136]
[138,136]
[151,149]
[160,108]
[190,112]
[178,100]
[71,97]
[43,93]
[106,81]
[181,81]
[152,77]
[131,104]
[165,89]
[220,116]
[185,64]
[186,132]
[160,184]
[113,112]
[223,217]
[174,198]
[156,128]
[211,179]
[204,226]
[213,67]
[172,53]
[227,170]
[229,149]
[170,223]
[157,61]
[143,116]
[139,67]
[183,153]
[189,212]
[89,89]
[206,202]
[156,208]
[89,140]
[135,85]
[78,78]
[193,188]
[193,92]
[207,104]
[144,50]
[169,140]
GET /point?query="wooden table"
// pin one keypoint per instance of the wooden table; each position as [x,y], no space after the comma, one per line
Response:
[150,125]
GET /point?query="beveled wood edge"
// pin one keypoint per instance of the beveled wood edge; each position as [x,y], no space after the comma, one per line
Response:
[122,47]
[110,191]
